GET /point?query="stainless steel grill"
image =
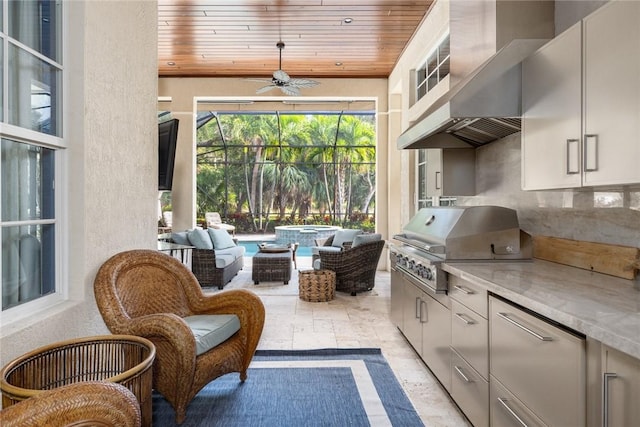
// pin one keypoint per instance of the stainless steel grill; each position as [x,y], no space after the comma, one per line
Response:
[457,234]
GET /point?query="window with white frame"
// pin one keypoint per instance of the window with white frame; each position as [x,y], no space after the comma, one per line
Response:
[434,69]
[30,137]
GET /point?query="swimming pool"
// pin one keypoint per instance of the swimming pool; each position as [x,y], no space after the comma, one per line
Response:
[251,247]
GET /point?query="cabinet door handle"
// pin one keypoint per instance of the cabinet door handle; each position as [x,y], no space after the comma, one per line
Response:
[464,290]
[605,397]
[511,412]
[573,156]
[506,317]
[462,375]
[465,319]
[425,318]
[418,308]
[590,153]
[438,184]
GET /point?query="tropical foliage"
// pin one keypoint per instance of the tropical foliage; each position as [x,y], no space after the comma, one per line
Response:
[262,170]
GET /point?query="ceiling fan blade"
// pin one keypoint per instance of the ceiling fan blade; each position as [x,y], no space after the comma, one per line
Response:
[290,90]
[259,80]
[281,76]
[303,82]
[265,89]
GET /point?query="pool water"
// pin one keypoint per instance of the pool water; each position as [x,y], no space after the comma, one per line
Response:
[251,247]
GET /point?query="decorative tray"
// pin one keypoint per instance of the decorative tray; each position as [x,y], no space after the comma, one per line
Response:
[272,248]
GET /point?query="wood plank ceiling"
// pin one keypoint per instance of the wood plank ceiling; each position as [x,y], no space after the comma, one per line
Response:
[232,38]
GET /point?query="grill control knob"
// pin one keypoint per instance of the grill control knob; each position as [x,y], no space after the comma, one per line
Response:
[428,274]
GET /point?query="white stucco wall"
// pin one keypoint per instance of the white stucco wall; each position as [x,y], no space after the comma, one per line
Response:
[402,186]
[110,165]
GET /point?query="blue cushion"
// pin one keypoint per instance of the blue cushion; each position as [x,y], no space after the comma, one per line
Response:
[200,238]
[212,329]
[220,238]
[361,239]
[180,238]
[344,236]
[315,250]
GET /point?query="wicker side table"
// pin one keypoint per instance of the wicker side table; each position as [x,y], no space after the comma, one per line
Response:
[122,359]
[316,285]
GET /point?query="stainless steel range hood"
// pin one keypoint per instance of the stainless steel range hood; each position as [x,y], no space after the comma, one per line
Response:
[484,106]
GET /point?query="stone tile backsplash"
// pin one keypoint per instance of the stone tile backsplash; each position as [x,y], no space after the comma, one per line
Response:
[609,215]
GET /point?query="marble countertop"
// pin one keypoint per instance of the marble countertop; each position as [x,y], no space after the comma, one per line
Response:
[602,307]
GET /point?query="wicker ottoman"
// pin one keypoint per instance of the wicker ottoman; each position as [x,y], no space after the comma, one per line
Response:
[317,285]
[122,359]
[271,267]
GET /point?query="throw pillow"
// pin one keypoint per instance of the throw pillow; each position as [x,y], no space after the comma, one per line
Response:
[220,238]
[180,238]
[361,239]
[344,236]
[200,238]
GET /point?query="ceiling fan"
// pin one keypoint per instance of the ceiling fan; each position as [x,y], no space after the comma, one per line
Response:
[281,80]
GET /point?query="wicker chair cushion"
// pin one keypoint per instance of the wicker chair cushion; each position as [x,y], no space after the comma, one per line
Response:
[180,238]
[343,236]
[212,329]
[315,250]
[225,257]
[200,238]
[220,238]
[361,239]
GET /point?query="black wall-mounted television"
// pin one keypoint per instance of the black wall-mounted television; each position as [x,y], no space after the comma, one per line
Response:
[167,140]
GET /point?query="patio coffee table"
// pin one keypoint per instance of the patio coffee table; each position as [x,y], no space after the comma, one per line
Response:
[272,266]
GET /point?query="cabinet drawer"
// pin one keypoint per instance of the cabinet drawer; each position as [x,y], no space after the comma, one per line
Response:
[470,337]
[507,411]
[470,391]
[469,294]
[540,363]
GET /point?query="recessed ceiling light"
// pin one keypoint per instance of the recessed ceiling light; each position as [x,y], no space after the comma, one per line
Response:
[171,63]
[347,20]
[338,64]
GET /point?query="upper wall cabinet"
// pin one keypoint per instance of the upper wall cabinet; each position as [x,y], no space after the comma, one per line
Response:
[451,172]
[581,104]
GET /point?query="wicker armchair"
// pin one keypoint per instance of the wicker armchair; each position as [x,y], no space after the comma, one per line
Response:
[355,266]
[88,403]
[147,293]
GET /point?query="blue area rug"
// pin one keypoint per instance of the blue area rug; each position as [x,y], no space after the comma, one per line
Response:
[301,388]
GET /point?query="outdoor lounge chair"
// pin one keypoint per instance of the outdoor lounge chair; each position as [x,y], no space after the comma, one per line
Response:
[214,220]
[356,265]
[198,337]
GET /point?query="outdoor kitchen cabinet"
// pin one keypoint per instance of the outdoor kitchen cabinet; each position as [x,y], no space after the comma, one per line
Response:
[427,327]
[451,172]
[540,364]
[621,388]
[581,104]
[470,349]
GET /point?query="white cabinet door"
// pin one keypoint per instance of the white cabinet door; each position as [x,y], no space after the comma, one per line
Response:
[434,172]
[581,104]
[451,172]
[612,94]
[621,388]
[551,120]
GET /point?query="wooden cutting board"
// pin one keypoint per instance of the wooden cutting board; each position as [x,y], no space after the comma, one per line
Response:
[615,260]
